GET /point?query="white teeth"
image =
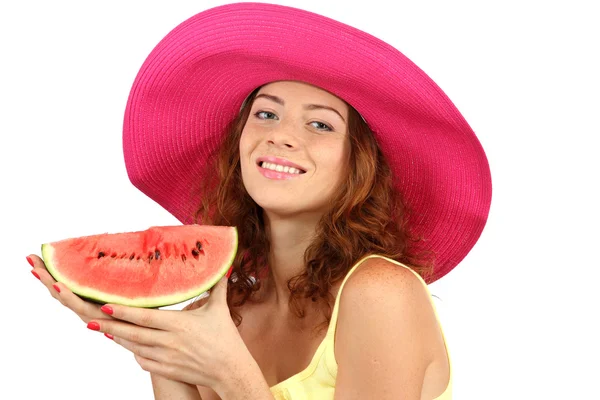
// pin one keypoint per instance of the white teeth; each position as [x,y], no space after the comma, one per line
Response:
[280,168]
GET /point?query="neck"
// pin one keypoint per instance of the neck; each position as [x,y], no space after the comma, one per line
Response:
[289,240]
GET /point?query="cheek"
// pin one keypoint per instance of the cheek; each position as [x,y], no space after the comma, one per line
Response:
[244,148]
[343,162]
[337,155]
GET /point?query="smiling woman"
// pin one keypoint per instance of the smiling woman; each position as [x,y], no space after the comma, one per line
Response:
[340,174]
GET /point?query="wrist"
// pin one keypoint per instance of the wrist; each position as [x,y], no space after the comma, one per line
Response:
[165,388]
[246,381]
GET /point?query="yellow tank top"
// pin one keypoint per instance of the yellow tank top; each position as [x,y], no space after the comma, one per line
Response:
[317,381]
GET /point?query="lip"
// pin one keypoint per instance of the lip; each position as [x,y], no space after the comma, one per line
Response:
[278,176]
[280,161]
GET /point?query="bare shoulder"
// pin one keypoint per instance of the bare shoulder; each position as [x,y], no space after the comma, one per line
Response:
[384,283]
[388,339]
[386,292]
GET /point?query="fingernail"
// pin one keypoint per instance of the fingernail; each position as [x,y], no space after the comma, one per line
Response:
[35,274]
[29,260]
[229,272]
[107,309]
[93,326]
[55,286]
[108,335]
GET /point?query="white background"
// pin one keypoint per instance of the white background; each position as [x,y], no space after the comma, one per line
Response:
[520,313]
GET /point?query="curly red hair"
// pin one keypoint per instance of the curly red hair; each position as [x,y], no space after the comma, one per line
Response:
[367,216]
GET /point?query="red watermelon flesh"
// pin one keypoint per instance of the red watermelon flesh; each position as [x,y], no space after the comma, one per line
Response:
[153,268]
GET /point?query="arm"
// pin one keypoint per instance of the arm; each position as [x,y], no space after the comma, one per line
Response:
[167,389]
[387,335]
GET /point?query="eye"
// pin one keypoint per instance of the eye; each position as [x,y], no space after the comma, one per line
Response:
[321,126]
[265,115]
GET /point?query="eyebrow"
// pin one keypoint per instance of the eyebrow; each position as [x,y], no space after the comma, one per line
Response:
[280,101]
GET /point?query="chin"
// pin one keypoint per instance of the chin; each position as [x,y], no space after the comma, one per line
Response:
[285,203]
[280,208]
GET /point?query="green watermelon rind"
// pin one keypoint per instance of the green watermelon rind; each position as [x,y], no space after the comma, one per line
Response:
[144,302]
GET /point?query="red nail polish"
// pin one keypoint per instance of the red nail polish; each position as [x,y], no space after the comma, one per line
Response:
[55,286]
[29,260]
[93,326]
[107,309]
[108,335]
[35,274]
[229,272]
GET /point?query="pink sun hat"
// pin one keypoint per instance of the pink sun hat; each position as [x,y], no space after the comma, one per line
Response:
[195,80]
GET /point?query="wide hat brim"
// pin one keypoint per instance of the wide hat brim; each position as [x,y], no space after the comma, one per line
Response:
[194,81]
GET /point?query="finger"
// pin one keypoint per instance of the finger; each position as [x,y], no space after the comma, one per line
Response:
[130,332]
[150,318]
[166,370]
[40,272]
[84,309]
[35,261]
[151,366]
[151,352]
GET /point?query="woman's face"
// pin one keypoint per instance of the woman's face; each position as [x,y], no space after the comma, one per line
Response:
[294,148]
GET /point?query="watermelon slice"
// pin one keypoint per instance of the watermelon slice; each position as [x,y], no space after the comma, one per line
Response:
[161,266]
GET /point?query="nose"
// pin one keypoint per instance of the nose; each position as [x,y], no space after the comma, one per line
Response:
[282,136]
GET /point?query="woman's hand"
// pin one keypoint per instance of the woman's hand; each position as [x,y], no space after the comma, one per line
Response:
[84,309]
[200,346]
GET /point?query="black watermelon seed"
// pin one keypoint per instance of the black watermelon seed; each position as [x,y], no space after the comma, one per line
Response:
[195,253]
[199,246]
[101,254]
[132,256]
[183,257]
[157,254]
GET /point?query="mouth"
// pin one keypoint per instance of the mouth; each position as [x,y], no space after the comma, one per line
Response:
[280,165]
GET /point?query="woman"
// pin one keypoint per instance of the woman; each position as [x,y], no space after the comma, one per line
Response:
[352,179]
